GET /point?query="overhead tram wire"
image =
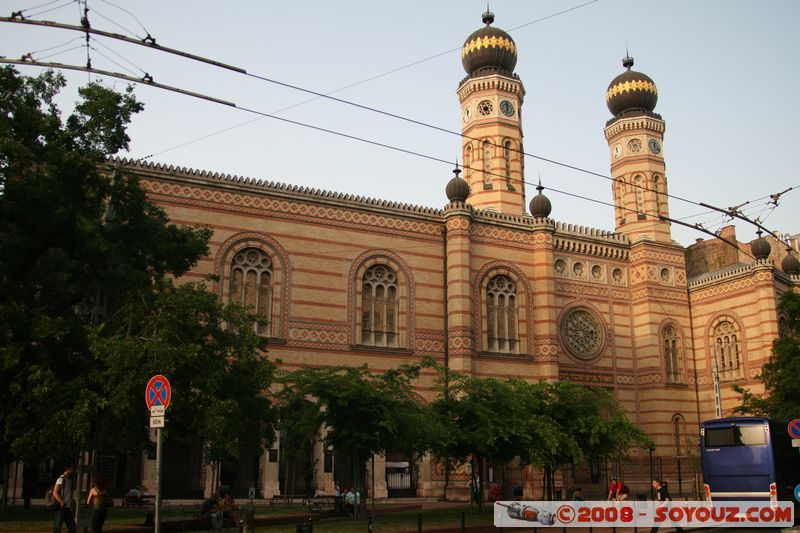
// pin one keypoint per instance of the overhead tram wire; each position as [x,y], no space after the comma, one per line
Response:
[151,43]
[333,98]
[139,22]
[326,130]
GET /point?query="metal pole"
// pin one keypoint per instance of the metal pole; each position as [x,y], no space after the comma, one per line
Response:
[717,394]
[419,522]
[463,522]
[158,481]
[652,495]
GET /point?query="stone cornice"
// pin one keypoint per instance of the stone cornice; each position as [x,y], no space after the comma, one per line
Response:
[591,241]
[492,82]
[639,122]
[242,184]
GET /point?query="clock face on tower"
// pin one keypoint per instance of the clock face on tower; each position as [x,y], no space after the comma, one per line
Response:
[507,108]
[617,150]
[467,114]
[654,146]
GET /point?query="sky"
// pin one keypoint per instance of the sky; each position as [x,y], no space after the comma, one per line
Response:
[726,72]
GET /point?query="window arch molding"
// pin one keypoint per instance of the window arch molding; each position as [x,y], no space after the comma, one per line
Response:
[524,318]
[726,372]
[406,289]
[281,274]
[671,342]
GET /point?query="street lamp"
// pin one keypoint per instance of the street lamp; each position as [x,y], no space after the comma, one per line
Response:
[652,474]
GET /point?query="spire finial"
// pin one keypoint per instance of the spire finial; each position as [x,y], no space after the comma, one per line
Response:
[488,17]
[457,171]
[539,187]
[627,61]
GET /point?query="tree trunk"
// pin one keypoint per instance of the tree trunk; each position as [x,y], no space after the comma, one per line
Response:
[4,495]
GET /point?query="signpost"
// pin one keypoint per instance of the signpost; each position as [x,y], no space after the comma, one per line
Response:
[157,396]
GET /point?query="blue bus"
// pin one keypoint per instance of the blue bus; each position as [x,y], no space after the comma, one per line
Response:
[748,458]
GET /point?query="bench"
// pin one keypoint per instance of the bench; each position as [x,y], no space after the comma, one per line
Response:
[277,498]
[326,504]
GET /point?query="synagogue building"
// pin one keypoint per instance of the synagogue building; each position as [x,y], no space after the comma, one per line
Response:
[494,282]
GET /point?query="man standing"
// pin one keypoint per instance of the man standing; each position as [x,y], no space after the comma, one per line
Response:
[62,494]
[662,495]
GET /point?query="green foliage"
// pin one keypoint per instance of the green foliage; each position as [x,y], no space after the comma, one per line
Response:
[781,374]
[545,424]
[87,313]
[362,413]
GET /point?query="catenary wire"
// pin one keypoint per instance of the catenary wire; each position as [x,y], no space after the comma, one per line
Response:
[118,25]
[139,22]
[47,10]
[337,133]
[367,108]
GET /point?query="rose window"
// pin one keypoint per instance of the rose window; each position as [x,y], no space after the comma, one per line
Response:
[582,333]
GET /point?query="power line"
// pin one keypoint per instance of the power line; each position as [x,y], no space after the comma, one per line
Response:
[337,133]
[151,43]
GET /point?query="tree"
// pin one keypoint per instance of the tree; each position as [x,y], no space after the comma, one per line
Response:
[213,359]
[546,424]
[487,420]
[781,374]
[362,413]
[87,311]
[582,422]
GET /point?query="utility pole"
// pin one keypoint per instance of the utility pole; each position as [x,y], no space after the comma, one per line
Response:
[717,394]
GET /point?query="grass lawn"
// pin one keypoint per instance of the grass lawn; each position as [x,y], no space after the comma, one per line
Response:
[450,516]
[39,519]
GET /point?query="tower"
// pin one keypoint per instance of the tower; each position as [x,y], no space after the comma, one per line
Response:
[491,105]
[635,138]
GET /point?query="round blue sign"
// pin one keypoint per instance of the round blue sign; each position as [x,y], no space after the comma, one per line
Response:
[797,493]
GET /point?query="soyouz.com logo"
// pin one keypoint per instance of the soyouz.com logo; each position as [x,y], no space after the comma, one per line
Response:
[643,514]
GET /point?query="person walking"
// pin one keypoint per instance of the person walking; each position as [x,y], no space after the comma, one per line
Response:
[662,495]
[62,494]
[98,500]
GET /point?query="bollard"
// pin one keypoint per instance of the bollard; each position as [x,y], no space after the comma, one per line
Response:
[419,522]
[369,524]
[463,523]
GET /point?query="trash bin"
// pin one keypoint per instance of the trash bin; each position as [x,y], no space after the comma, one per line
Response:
[305,527]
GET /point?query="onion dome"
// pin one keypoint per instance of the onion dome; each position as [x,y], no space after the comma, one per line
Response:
[760,247]
[790,263]
[540,205]
[489,49]
[630,91]
[457,188]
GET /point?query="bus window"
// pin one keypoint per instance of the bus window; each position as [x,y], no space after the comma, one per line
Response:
[736,436]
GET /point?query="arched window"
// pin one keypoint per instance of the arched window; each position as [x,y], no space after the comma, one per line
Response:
[727,350]
[639,186]
[679,435]
[468,162]
[501,314]
[619,191]
[251,285]
[659,188]
[379,306]
[487,165]
[671,343]
[507,158]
